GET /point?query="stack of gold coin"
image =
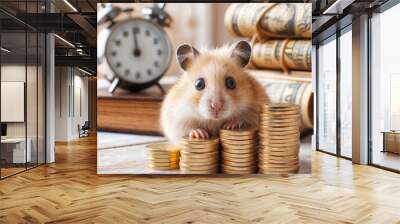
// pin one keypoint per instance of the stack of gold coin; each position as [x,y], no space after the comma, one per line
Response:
[239,151]
[199,156]
[163,156]
[279,138]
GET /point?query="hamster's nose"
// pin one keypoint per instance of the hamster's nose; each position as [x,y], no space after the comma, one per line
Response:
[216,106]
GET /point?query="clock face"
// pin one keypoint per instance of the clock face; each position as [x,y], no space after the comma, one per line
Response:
[138,51]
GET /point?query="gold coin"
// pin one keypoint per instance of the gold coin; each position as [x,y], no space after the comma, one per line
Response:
[239,164]
[277,133]
[277,127]
[196,155]
[201,141]
[191,169]
[238,160]
[233,168]
[157,163]
[242,151]
[278,171]
[175,158]
[199,163]
[228,154]
[279,160]
[278,165]
[183,171]
[280,137]
[280,124]
[238,151]
[197,167]
[289,154]
[283,110]
[288,111]
[264,129]
[199,146]
[275,147]
[162,159]
[276,151]
[239,146]
[162,147]
[279,153]
[280,105]
[279,148]
[162,154]
[163,167]
[280,115]
[279,143]
[276,155]
[291,149]
[238,138]
[246,132]
[239,172]
[204,160]
[278,168]
[243,142]
[191,149]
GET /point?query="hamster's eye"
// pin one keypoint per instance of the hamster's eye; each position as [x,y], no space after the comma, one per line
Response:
[200,84]
[230,83]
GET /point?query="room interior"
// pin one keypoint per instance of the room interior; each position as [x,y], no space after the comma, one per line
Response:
[31,93]
[353,147]
[336,52]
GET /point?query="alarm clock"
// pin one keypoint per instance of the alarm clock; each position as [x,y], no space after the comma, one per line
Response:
[135,51]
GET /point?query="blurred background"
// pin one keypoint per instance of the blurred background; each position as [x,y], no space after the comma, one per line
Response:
[201,25]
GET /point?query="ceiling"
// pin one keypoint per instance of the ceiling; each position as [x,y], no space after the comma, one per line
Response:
[72,20]
[330,15]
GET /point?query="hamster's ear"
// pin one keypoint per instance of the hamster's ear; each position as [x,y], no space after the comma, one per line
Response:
[241,52]
[185,54]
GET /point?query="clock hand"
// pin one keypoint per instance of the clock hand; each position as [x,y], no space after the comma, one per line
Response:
[136,51]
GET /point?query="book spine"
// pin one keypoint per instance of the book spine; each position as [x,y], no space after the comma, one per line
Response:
[282,54]
[284,20]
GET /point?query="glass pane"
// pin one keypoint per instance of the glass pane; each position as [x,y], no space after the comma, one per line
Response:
[346,94]
[31,98]
[13,87]
[41,99]
[327,96]
[385,84]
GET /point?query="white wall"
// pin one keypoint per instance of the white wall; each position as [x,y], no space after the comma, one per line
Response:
[71,102]
[17,73]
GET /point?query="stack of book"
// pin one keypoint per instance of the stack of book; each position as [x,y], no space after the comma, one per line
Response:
[129,112]
[280,35]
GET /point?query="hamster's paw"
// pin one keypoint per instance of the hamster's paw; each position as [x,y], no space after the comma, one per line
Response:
[198,133]
[232,125]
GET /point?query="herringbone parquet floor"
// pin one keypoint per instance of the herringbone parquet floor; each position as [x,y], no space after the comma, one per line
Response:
[69,191]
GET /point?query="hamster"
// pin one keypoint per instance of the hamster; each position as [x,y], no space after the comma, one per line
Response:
[214,92]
